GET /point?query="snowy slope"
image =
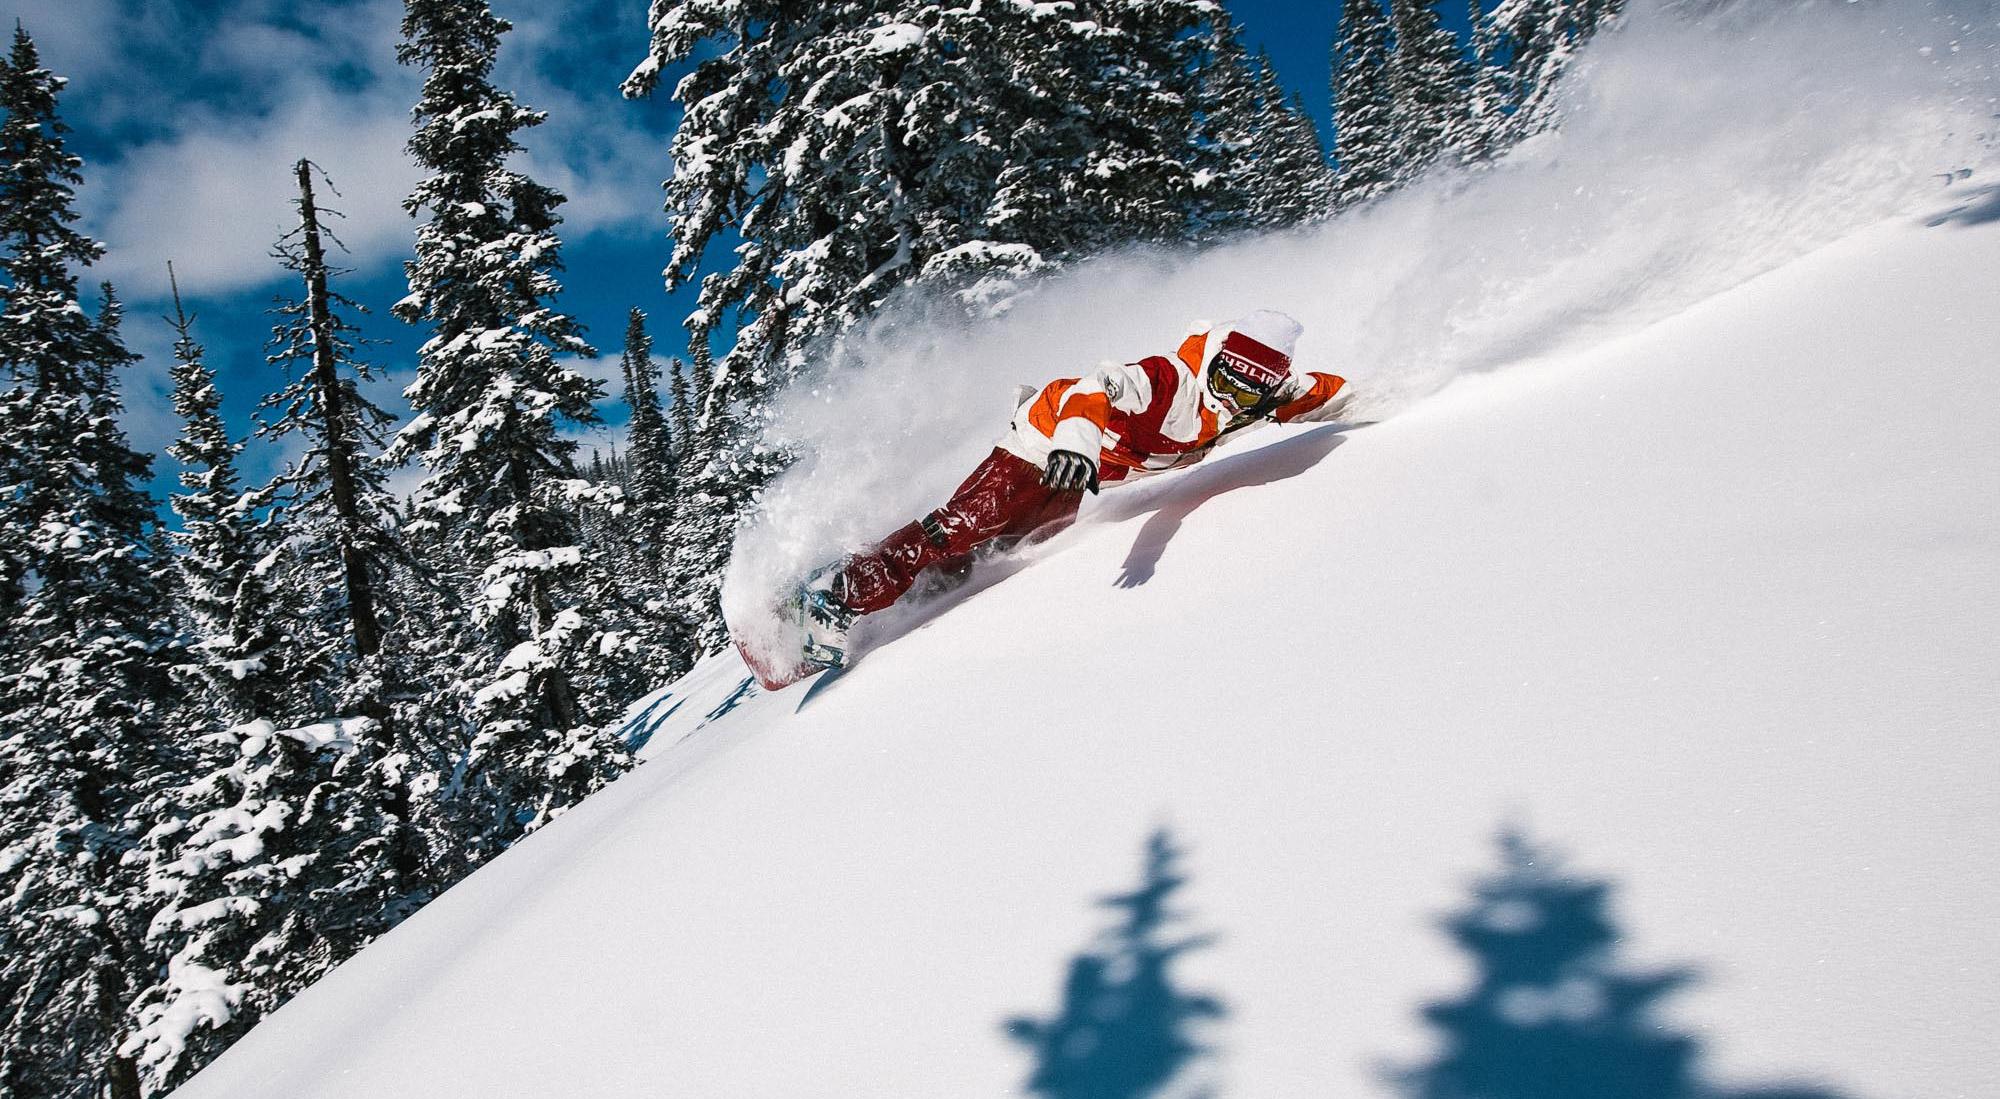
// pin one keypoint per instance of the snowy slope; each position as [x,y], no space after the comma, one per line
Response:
[1676,546]
[1713,607]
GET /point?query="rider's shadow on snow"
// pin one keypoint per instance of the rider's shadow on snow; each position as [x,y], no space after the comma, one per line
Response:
[1123,1029]
[1177,500]
[1553,1012]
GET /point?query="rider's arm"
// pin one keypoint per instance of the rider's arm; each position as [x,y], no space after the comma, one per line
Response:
[1311,397]
[1086,408]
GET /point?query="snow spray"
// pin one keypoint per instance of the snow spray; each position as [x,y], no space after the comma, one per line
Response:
[1697,150]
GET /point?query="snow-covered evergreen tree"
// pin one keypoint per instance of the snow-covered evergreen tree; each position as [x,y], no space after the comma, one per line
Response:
[82,626]
[646,637]
[649,449]
[1227,132]
[340,520]
[1081,182]
[1539,39]
[1364,104]
[681,413]
[1261,164]
[339,545]
[1260,160]
[1297,183]
[863,146]
[262,874]
[1427,79]
[235,634]
[283,856]
[1485,120]
[489,397]
[721,462]
[216,550]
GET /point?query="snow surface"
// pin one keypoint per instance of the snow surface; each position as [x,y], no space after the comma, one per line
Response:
[1677,547]
[1712,607]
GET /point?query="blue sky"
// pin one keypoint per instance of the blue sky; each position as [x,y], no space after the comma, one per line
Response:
[190,114]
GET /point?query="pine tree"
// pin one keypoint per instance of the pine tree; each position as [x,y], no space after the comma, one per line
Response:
[287,851]
[1485,120]
[341,538]
[82,675]
[1261,162]
[1129,170]
[1539,39]
[646,637]
[334,495]
[1427,79]
[335,535]
[1298,183]
[215,549]
[681,411]
[1226,134]
[235,637]
[262,874]
[724,464]
[721,463]
[650,450]
[1364,105]
[862,147]
[489,395]
[701,377]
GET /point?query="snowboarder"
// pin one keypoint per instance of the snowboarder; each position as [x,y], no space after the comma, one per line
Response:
[1079,434]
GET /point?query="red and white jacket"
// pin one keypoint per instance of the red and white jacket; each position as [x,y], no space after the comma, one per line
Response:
[1153,415]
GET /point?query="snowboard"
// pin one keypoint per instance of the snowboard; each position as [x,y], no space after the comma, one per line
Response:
[772,645]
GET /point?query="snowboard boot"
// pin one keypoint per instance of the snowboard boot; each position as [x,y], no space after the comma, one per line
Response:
[825,617]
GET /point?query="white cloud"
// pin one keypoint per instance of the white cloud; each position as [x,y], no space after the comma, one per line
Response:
[610,178]
[605,369]
[216,198]
[214,190]
[149,419]
[72,34]
[209,108]
[595,147]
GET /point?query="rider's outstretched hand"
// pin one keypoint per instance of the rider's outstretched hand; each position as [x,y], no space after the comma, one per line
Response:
[1068,471]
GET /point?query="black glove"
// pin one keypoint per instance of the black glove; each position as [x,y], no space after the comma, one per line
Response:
[1068,471]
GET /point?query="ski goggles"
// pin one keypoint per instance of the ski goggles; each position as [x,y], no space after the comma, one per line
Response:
[1231,386]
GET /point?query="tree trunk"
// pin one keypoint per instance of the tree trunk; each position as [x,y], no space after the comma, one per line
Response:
[340,442]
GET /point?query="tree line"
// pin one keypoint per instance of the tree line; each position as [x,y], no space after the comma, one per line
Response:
[237,746]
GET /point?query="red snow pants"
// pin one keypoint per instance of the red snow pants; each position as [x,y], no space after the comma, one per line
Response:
[1003,499]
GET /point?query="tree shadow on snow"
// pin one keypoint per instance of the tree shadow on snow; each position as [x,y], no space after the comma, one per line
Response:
[639,729]
[1553,1013]
[1177,500]
[1123,1030]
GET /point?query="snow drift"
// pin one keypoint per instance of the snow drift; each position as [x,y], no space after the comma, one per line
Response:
[1676,548]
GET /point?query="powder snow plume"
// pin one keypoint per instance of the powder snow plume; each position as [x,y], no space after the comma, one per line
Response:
[1698,150]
